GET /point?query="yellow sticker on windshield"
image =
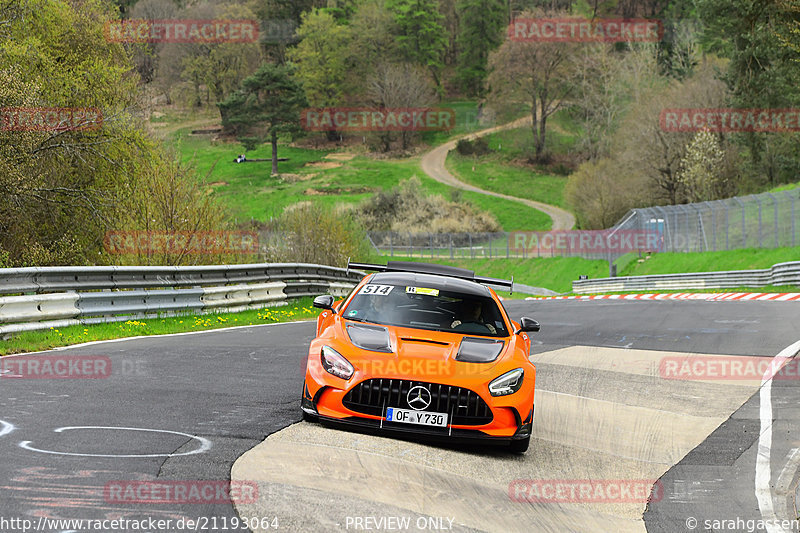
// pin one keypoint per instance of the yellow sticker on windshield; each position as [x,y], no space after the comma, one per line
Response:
[422,290]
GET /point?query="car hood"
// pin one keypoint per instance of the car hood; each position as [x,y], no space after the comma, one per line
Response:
[435,351]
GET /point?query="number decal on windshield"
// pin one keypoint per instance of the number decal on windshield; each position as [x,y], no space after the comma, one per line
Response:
[380,290]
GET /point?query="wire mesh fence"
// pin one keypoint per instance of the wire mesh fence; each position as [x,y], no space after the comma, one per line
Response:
[767,220]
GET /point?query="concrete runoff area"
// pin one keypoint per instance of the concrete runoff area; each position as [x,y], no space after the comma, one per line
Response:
[589,432]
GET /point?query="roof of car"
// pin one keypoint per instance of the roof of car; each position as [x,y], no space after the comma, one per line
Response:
[431,281]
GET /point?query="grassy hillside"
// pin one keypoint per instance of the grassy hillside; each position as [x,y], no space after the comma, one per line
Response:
[747,259]
[322,176]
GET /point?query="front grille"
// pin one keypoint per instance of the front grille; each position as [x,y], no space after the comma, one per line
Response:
[464,407]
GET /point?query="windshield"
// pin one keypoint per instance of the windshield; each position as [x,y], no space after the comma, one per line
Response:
[426,308]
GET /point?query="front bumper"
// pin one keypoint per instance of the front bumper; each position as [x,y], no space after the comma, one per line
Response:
[521,428]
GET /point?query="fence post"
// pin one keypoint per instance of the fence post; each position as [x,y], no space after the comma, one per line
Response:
[391,245]
[411,244]
[471,250]
[508,246]
[793,217]
[775,217]
[727,227]
[744,228]
[451,244]
[430,235]
[713,225]
[760,228]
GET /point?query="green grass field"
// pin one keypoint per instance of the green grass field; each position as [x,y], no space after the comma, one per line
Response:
[249,192]
[505,178]
[675,263]
[558,273]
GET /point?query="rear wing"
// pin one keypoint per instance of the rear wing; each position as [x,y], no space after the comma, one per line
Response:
[438,270]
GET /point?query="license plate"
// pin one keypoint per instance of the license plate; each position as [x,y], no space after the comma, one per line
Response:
[423,418]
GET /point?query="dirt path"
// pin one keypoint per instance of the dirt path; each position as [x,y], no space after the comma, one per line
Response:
[433,164]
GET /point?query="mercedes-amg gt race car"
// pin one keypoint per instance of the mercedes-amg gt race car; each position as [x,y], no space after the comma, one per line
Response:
[422,349]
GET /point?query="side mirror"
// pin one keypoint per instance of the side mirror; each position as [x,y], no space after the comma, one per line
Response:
[528,324]
[324,302]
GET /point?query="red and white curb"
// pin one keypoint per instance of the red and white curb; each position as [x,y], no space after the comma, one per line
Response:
[705,296]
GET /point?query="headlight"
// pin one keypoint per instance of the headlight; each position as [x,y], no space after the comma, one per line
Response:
[508,383]
[334,363]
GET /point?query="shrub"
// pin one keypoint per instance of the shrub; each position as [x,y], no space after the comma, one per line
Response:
[313,233]
[406,208]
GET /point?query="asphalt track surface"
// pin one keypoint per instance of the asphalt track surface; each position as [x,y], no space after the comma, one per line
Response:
[601,414]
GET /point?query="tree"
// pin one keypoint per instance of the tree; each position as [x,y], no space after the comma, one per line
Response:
[146,55]
[399,86]
[762,72]
[267,104]
[482,25]
[536,75]
[62,189]
[422,38]
[372,41]
[701,167]
[605,83]
[600,195]
[321,59]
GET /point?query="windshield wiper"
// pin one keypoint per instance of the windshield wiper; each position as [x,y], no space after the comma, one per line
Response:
[360,320]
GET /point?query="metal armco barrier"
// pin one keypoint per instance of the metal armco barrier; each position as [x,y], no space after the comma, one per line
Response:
[780,274]
[64,296]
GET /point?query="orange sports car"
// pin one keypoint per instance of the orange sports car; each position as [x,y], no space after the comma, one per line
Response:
[422,349]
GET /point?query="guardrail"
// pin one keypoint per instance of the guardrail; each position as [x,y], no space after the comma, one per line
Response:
[780,274]
[64,296]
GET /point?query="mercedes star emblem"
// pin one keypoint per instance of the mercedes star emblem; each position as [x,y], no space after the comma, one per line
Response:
[419,398]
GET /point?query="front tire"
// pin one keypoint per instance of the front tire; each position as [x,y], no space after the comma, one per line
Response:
[520,446]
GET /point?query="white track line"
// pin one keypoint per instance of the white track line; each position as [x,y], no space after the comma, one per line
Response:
[763,472]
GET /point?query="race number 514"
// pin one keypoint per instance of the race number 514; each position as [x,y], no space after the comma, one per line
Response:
[380,290]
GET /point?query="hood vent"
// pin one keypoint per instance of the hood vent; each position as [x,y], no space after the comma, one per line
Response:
[426,341]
